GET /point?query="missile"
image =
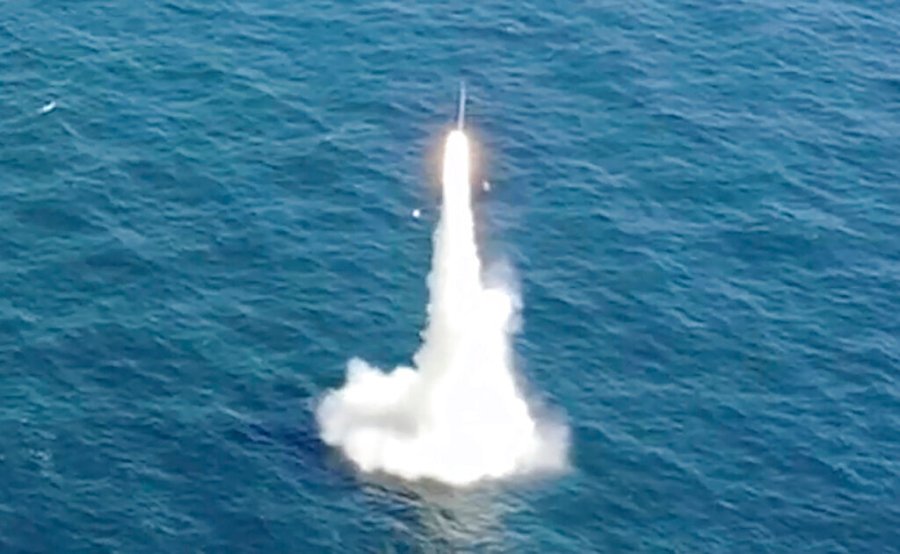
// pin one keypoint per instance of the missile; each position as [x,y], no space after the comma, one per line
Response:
[456,153]
[461,112]
[455,180]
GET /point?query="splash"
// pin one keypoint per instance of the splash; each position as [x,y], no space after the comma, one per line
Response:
[459,417]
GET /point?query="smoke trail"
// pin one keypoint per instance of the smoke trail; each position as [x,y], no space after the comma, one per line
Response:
[459,418]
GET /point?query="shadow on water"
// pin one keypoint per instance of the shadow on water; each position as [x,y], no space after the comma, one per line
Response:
[428,516]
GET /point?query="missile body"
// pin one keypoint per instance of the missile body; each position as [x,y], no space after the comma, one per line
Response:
[461,112]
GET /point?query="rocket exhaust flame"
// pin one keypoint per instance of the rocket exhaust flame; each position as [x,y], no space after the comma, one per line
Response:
[458,417]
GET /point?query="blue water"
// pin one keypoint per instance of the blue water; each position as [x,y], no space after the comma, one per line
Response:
[701,200]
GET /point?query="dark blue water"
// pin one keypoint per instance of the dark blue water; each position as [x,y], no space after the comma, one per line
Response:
[701,199]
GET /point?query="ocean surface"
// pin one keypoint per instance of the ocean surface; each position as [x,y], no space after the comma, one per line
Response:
[206,211]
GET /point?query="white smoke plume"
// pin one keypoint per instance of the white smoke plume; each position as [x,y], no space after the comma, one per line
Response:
[458,417]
